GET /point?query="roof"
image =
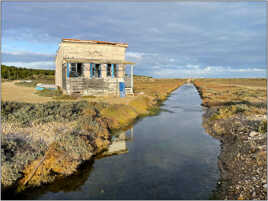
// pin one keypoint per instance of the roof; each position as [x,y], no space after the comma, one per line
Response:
[97,61]
[94,42]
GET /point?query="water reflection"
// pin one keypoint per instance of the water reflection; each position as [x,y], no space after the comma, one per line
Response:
[74,182]
[170,157]
[119,143]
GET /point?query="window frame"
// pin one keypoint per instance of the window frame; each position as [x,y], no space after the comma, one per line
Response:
[109,70]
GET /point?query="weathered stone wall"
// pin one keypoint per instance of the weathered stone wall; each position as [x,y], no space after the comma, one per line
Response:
[93,51]
[121,70]
[84,84]
[127,82]
[86,70]
[58,71]
[103,70]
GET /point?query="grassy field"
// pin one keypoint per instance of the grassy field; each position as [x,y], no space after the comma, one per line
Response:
[25,92]
[241,95]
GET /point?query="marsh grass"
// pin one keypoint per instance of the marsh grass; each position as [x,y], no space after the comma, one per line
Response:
[47,80]
[27,113]
[16,153]
[247,96]
[49,93]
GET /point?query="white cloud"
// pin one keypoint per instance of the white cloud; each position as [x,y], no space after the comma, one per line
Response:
[21,53]
[209,71]
[135,55]
[192,66]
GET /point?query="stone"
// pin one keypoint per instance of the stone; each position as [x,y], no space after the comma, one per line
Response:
[240,197]
[253,134]
[265,187]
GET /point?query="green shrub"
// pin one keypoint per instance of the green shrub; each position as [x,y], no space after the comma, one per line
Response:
[262,126]
[15,73]
[75,145]
[27,113]
[64,97]
[49,92]
[16,153]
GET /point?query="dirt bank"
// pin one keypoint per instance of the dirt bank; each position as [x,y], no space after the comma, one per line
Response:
[237,117]
[42,142]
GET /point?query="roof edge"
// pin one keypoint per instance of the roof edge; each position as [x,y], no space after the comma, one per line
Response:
[98,61]
[93,42]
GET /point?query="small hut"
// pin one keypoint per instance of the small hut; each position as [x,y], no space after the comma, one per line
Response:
[89,67]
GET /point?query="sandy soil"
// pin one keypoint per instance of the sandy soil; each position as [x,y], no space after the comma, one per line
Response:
[12,92]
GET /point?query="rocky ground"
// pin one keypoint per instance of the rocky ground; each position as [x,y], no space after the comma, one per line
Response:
[242,161]
[236,115]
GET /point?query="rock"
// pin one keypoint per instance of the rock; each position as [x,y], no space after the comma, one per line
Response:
[265,187]
[240,197]
[253,134]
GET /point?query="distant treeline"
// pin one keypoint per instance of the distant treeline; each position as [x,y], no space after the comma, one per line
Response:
[142,76]
[15,73]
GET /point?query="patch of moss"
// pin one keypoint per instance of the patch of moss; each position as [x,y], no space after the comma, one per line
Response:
[225,112]
[119,114]
[49,93]
[263,126]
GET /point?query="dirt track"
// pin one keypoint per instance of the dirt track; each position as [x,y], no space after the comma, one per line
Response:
[12,92]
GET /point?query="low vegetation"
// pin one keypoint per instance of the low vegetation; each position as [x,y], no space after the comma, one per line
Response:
[242,95]
[92,120]
[27,114]
[16,153]
[236,115]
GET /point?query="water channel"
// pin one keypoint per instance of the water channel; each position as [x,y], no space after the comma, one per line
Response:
[167,156]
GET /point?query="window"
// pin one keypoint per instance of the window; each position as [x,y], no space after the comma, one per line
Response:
[96,71]
[115,70]
[109,70]
[76,70]
[73,67]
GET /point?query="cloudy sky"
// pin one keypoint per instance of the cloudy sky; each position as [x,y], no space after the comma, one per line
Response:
[172,39]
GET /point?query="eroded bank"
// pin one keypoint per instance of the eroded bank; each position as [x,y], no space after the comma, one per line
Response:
[236,115]
[44,142]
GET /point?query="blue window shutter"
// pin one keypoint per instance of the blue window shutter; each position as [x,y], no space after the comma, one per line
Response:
[68,72]
[112,70]
[91,70]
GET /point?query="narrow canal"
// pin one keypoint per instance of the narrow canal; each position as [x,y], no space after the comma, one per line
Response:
[167,156]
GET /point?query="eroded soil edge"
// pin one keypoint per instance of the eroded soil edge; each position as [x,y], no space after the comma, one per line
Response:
[243,135]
